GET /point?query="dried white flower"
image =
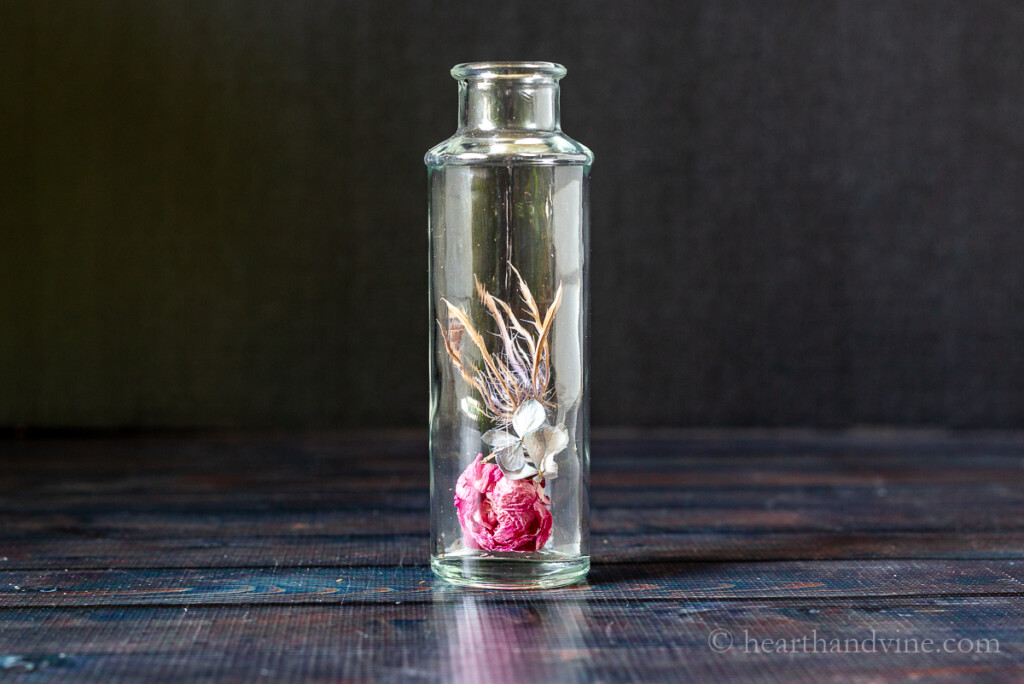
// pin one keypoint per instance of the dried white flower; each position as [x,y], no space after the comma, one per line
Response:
[531,451]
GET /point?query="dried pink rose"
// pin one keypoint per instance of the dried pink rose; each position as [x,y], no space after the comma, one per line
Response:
[498,513]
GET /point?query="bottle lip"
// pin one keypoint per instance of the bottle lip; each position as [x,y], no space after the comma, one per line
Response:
[513,71]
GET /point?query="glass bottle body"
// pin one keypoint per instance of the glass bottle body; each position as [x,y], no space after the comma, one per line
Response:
[508,238]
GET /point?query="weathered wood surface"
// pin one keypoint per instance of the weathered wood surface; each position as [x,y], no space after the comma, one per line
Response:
[287,558]
[649,581]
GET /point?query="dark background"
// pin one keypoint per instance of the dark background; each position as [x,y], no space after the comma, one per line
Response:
[804,213]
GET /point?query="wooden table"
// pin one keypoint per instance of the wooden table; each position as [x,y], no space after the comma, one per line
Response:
[249,559]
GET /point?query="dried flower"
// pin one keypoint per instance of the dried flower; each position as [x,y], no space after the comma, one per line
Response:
[498,513]
[531,451]
[503,507]
[521,369]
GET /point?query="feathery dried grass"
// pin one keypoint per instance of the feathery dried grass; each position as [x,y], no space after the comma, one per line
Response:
[521,369]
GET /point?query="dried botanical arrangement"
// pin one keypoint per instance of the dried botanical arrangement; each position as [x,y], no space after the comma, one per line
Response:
[513,384]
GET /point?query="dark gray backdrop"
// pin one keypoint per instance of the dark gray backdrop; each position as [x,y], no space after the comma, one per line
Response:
[804,213]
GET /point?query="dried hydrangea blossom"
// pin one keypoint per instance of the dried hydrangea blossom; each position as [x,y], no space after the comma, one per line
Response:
[530,449]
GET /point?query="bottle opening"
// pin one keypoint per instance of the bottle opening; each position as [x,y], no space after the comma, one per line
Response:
[515,71]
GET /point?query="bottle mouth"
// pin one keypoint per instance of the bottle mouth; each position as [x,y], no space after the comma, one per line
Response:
[508,71]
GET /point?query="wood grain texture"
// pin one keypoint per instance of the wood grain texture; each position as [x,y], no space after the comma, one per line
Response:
[467,640]
[648,582]
[233,558]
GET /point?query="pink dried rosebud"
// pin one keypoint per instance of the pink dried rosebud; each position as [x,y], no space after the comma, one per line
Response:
[501,514]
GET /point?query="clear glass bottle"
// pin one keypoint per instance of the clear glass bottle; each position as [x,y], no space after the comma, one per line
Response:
[509,443]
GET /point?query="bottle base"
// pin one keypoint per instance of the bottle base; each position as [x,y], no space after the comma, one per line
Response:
[481,572]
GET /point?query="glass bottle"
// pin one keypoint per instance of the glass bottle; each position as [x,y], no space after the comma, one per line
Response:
[509,442]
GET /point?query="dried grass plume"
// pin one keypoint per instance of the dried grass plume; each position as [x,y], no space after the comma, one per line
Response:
[520,369]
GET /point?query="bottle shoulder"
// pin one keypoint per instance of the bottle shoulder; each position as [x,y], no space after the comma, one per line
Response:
[505,147]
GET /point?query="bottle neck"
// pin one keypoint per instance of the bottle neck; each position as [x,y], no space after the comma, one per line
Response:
[493,104]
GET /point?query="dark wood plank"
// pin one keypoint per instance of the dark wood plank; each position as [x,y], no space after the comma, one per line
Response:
[466,640]
[306,550]
[721,528]
[244,502]
[235,558]
[903,516]
[653,581]
[658,489]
